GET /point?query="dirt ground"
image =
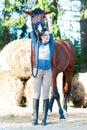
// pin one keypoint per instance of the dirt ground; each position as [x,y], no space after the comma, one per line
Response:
[18,118]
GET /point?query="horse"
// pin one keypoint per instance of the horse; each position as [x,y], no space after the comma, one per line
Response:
[63,60]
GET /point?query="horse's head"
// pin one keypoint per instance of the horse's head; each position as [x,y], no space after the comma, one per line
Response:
[38,19]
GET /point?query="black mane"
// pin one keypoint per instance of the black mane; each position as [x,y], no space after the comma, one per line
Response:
[37,11]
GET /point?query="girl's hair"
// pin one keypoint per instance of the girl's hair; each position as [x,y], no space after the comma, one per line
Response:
[43,31]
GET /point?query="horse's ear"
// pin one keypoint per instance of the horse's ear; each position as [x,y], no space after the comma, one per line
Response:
[47,12]
[28,12]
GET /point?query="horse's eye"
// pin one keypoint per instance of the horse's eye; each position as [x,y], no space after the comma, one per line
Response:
[32,16]
[43,17]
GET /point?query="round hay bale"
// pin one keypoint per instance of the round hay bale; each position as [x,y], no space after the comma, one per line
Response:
[29,93]
[79,90]
[11,89]
[15,57]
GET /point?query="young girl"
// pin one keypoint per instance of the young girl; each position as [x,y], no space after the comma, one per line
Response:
[44,45]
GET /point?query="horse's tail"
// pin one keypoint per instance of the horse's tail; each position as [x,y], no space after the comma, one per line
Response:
[64,80]
[69,88]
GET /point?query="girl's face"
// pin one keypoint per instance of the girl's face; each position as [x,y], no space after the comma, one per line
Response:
[45,37]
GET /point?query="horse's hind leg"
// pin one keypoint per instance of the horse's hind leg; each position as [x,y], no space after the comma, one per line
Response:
[57,97]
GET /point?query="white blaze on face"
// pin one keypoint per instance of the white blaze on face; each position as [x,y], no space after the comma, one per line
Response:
[39,27]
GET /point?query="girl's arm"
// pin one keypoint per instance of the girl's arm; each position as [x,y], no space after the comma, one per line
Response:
[30,24]
[49,23]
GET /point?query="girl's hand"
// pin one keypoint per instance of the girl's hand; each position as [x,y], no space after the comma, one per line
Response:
[30,23]
[48,18]
[49,23]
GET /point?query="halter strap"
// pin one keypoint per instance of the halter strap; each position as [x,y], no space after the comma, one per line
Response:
[38,23]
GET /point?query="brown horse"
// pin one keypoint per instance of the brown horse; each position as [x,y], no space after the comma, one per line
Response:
[63,61]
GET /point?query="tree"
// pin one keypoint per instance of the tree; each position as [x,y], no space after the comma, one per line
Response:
[6,35]
[83,25]
[14,20]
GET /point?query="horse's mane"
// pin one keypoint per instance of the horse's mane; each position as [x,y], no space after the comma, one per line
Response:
[37,11]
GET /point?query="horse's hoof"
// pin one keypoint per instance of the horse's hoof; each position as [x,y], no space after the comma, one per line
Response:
[65,113]
[49,112]
[63,120]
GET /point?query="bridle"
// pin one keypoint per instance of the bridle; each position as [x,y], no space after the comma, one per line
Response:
[38,27]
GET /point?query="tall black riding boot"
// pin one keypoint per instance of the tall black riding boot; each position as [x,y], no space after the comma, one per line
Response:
[35,111]
[45,110]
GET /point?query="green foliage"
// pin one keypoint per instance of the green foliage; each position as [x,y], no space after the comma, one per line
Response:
[84,14]
[19,22]
[55,31]
[84,2]
[12,20]
[77,47]
[9,7]
[84,9]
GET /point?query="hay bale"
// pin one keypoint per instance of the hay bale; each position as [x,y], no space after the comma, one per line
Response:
[11,89]
[15,57]
[79,90]
[28,92]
